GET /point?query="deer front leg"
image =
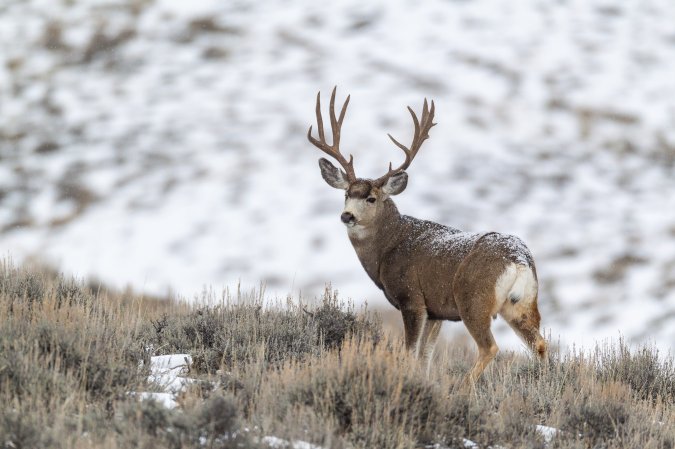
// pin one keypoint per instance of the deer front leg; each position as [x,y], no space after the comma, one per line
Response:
[414,321]
[428,342]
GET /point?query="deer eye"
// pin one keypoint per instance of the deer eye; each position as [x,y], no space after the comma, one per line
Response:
[371,200]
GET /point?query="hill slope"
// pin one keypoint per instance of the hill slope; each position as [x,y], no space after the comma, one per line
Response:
[162,143]
[82,367]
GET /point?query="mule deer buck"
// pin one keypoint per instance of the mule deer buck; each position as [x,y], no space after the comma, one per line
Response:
[428,271]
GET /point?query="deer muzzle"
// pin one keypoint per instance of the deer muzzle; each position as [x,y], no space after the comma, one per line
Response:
[348,218]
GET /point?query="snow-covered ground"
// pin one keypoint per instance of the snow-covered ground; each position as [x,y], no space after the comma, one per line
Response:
[162,143]
[167,373]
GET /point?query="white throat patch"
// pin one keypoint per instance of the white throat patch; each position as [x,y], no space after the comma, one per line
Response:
[358,232]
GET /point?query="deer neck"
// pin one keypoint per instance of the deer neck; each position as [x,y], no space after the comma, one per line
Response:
[373,242]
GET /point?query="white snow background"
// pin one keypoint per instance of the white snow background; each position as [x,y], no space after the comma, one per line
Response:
[162,143]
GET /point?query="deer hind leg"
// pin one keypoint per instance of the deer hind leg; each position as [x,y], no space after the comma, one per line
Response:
[428,342]
[524,319]
[479,328]
[516,290]
[414,322]
[476,313]
[476,307]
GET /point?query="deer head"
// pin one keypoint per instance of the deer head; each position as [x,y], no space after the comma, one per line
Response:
[364,198]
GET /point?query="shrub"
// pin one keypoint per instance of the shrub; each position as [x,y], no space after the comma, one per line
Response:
[23,431]
[647,374]
[212,423]
[596,417]
[232,333]
[367,395]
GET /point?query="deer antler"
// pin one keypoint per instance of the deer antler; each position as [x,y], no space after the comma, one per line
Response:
[421,134]
[336,124]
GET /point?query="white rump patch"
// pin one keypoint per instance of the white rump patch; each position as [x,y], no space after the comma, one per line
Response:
[516,283]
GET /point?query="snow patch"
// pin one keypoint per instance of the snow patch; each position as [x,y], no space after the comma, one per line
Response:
[167,372]
[168,400]
[547,432]
[279,443]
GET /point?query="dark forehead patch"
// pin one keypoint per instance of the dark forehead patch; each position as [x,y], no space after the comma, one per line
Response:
[359,189]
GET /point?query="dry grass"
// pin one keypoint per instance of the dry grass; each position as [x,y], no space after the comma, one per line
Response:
[70,354]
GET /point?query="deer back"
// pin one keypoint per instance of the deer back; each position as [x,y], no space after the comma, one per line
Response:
[414,260]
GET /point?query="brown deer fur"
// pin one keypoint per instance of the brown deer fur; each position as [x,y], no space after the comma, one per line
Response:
[432,272]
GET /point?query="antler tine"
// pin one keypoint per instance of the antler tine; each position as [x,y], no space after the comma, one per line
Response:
[422,128]
[319,119]
[335,124]
[416,122]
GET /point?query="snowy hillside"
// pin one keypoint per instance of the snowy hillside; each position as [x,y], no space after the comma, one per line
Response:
[162,143]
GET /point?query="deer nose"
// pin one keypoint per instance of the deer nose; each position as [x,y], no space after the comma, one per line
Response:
[346,217]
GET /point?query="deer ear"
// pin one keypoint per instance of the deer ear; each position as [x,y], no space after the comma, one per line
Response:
[332,175]
[396,183]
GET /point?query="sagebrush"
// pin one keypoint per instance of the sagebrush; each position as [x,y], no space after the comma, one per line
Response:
[72,355]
